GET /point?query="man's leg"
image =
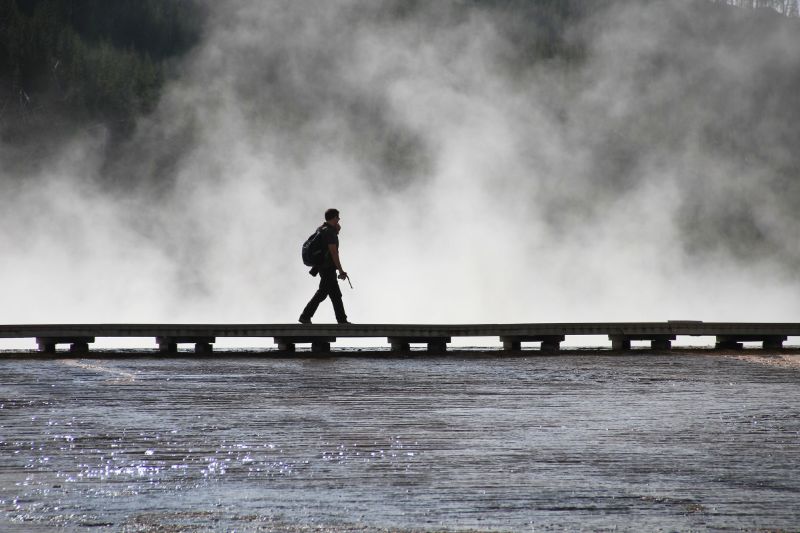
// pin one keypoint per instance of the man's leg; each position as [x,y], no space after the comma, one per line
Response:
[338,308]
[319,296]
[332,289]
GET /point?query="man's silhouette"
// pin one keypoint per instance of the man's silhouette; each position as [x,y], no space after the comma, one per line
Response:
[328,285]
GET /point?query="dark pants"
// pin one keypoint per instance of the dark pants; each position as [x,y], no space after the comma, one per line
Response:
[328,286]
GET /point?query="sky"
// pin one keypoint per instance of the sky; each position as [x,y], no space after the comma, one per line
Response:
[474,186]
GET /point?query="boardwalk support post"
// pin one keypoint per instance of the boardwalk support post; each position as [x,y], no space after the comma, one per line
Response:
[399,345]
[203,348]
[773,343]
[734,342]
[511,345]
[728,343]
[321,346]
[435,344]
[438,345]
[285,345]
[620,342]
[661,344]
[318,344]
[46,345]
[78,345]
[169,345]
[550,343]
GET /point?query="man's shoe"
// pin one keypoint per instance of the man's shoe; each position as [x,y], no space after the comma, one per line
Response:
[345,322]
[304,320]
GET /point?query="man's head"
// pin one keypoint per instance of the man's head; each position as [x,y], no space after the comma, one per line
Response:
[332,216]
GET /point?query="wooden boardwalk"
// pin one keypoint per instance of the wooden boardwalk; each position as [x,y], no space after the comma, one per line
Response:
[729,335]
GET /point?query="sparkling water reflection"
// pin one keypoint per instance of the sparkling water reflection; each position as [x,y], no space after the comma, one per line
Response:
[354,443]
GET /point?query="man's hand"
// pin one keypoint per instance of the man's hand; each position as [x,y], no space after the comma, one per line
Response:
[342,274]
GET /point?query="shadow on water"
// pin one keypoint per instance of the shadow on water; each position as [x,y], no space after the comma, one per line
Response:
[467,441]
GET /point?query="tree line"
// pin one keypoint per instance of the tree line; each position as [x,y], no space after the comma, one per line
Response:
[98,61]
[89,59]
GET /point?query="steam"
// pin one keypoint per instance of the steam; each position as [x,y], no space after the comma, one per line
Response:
[473,187]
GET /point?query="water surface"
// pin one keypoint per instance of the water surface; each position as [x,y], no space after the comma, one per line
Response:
[348,443]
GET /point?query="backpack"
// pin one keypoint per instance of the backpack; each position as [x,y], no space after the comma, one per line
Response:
[314,248]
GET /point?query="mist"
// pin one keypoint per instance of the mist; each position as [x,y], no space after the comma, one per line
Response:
[474,186]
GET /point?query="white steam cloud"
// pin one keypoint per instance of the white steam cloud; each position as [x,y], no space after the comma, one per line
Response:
[472,189]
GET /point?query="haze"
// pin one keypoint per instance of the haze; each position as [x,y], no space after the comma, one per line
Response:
[474,186]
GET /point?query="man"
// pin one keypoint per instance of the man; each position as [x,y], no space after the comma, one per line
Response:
[328,285]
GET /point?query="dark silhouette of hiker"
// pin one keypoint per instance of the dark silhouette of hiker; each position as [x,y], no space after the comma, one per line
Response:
[328,284]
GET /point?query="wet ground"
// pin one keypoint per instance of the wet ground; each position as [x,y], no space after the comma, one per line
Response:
[637,442]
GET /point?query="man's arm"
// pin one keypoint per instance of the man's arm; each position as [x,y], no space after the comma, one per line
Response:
[334,250]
